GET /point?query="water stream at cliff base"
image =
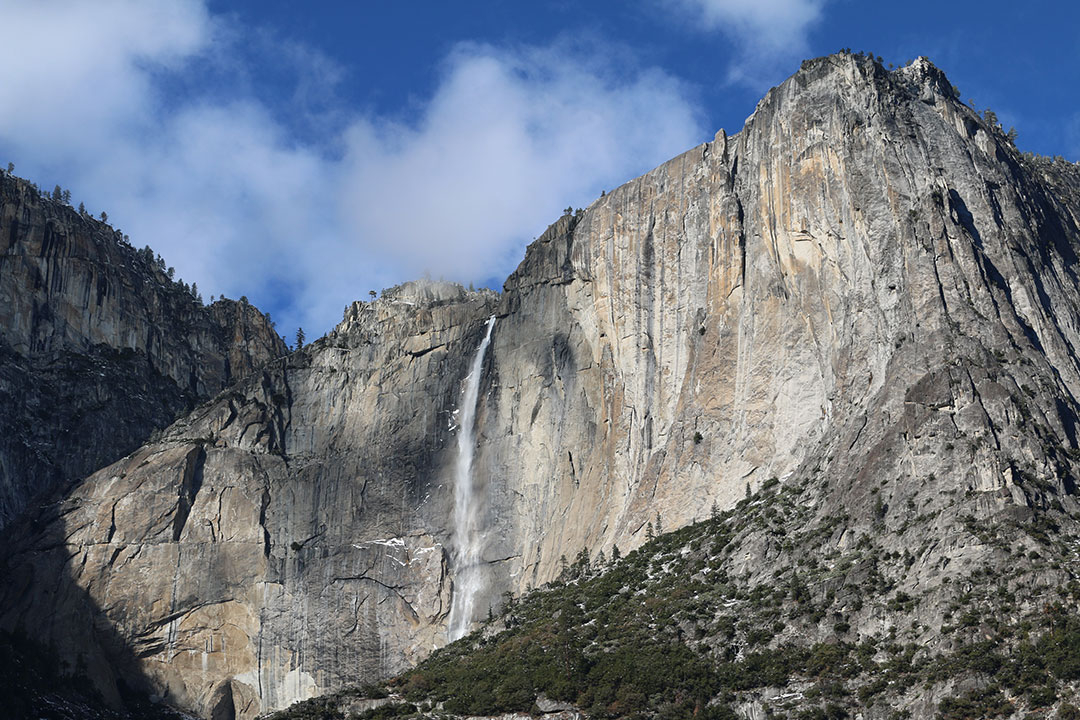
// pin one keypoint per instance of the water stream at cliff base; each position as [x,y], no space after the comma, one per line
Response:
[468,579]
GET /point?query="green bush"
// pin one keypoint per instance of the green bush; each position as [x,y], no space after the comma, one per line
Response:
[975,705]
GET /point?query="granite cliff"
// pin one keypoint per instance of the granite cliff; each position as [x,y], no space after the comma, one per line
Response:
[867,297]
[98,346]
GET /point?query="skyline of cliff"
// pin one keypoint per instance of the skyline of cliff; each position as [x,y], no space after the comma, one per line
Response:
[305,158]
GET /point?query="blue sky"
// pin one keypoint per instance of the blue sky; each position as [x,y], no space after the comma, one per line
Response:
[303,154]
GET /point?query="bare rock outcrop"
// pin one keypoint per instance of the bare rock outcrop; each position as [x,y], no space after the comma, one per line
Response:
[711,324]
[868,288]
[98,345]
[297,513]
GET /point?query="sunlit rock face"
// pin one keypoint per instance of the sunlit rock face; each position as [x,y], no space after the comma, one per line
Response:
[854,288]
[98,346]
[727,317]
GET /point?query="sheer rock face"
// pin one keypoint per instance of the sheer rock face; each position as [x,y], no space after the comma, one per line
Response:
[284,538]
[713,323]
[99,347]
[867,285]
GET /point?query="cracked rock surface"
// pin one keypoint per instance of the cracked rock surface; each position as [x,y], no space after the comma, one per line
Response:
[284,537]
[98,346]
[866,279]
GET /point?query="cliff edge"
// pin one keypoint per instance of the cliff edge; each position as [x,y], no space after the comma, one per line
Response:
[99,347]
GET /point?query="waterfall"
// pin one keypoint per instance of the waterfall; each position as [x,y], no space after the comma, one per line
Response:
[468,579]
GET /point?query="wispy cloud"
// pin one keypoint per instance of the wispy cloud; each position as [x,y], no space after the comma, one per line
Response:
[105,98]
[765,33]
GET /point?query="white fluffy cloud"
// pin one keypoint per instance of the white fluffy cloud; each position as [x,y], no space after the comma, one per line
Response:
[237,202]
[74,74]
[766,32]
[508,141]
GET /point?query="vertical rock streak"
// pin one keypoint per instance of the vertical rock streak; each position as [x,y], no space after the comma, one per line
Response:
[467,531]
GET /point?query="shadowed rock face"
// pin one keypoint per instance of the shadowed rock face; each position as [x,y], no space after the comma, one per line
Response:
[866,286]
[98,347]
[272,537]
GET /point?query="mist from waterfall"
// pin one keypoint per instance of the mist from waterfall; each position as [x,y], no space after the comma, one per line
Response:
[467,536]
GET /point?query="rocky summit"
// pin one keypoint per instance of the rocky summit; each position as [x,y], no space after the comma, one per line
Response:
[835,353]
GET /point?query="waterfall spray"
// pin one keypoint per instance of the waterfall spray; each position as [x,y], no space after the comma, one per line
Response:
[467,533]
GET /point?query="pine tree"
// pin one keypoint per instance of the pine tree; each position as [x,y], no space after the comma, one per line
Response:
[57,193]
[104,216]
[616,556]
[299,338]
[82,209]
[659,525]
[581,563]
